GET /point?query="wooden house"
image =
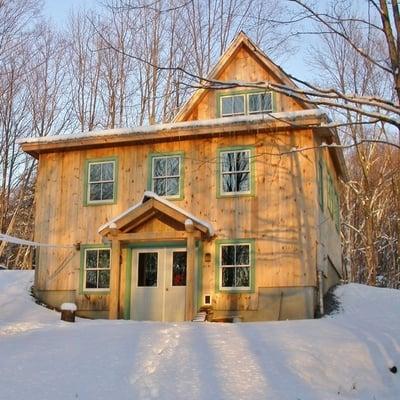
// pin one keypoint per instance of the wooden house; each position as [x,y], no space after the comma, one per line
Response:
[214,209]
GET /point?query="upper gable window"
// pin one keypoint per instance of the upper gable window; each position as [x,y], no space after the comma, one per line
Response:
[100,181]
[259,102]
[166,175]
[245,104]
[232,105]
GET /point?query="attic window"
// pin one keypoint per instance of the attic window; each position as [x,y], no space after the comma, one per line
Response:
[245,104]
[259,102]
[232,105]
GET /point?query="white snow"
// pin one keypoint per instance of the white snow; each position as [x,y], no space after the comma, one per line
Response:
[346,356]
[15,240]
[268,117]
[151,195]
[68,307]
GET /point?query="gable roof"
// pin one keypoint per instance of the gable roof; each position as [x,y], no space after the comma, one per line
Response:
[147,208]
[241,40]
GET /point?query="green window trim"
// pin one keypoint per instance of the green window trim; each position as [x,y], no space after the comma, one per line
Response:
[320,182]
[333,202]
[251,193]
[82,288]
[181,155]
[218,244]
[245,93]
[88,162]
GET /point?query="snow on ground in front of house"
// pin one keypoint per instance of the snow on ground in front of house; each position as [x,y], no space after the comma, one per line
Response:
[346,356]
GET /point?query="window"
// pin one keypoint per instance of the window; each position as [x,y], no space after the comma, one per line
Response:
[166,177]
[260,102]
[235,266]
[100,182]
[321,184]
[147,269]
[97,269]
[333,203]
[179,268]
[246,103]
[330,195]
[232,105]
[235,172]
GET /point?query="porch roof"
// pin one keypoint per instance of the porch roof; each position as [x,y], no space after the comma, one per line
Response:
[150,205]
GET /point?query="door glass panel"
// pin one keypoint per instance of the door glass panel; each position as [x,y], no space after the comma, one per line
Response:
[179,268]
[147,269]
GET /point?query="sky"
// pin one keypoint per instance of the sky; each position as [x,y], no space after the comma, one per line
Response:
[58,11]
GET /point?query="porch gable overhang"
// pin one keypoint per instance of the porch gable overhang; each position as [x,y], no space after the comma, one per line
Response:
[154,206]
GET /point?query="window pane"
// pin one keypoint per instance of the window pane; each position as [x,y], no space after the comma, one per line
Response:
[228,255]
[107,171]
[173,166]
[104,279]
[107,191]
[242,277]
[266,102]
[94,172]
[242,254]
[227,162]
[227,105]
[242,161]
[172,186]
[228,277]
[254,103]
[242,182]
[159,186]
[147,269]
[91,279]
[159,167]
[95,191]
[179,268]
[91,258]
[104,258]
[228,183]
[238,105]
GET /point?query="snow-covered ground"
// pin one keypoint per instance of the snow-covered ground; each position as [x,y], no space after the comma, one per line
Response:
[346,356]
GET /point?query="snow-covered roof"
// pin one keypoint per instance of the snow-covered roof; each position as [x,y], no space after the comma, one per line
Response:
[151,195]
[236,120]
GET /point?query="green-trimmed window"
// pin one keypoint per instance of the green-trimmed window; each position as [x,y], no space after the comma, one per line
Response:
[321,184]
[333,202]
[166,175]
[100,181]
[235,266]
[245,103]
[232,105]
[235,172]
[259,102]
[96,269]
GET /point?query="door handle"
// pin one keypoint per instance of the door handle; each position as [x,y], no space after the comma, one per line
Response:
[166,289]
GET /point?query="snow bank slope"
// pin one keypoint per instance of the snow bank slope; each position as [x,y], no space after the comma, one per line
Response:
[16,303]
[342,357]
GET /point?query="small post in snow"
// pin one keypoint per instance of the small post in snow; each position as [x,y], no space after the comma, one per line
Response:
[68,312]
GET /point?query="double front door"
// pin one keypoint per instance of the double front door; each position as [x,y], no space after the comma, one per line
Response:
[158,284]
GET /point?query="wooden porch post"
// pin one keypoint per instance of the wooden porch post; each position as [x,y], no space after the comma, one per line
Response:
[190,284]
[114,278]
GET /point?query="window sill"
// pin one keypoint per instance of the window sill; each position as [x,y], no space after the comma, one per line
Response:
[99,203]
[94,292]
[236,291]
